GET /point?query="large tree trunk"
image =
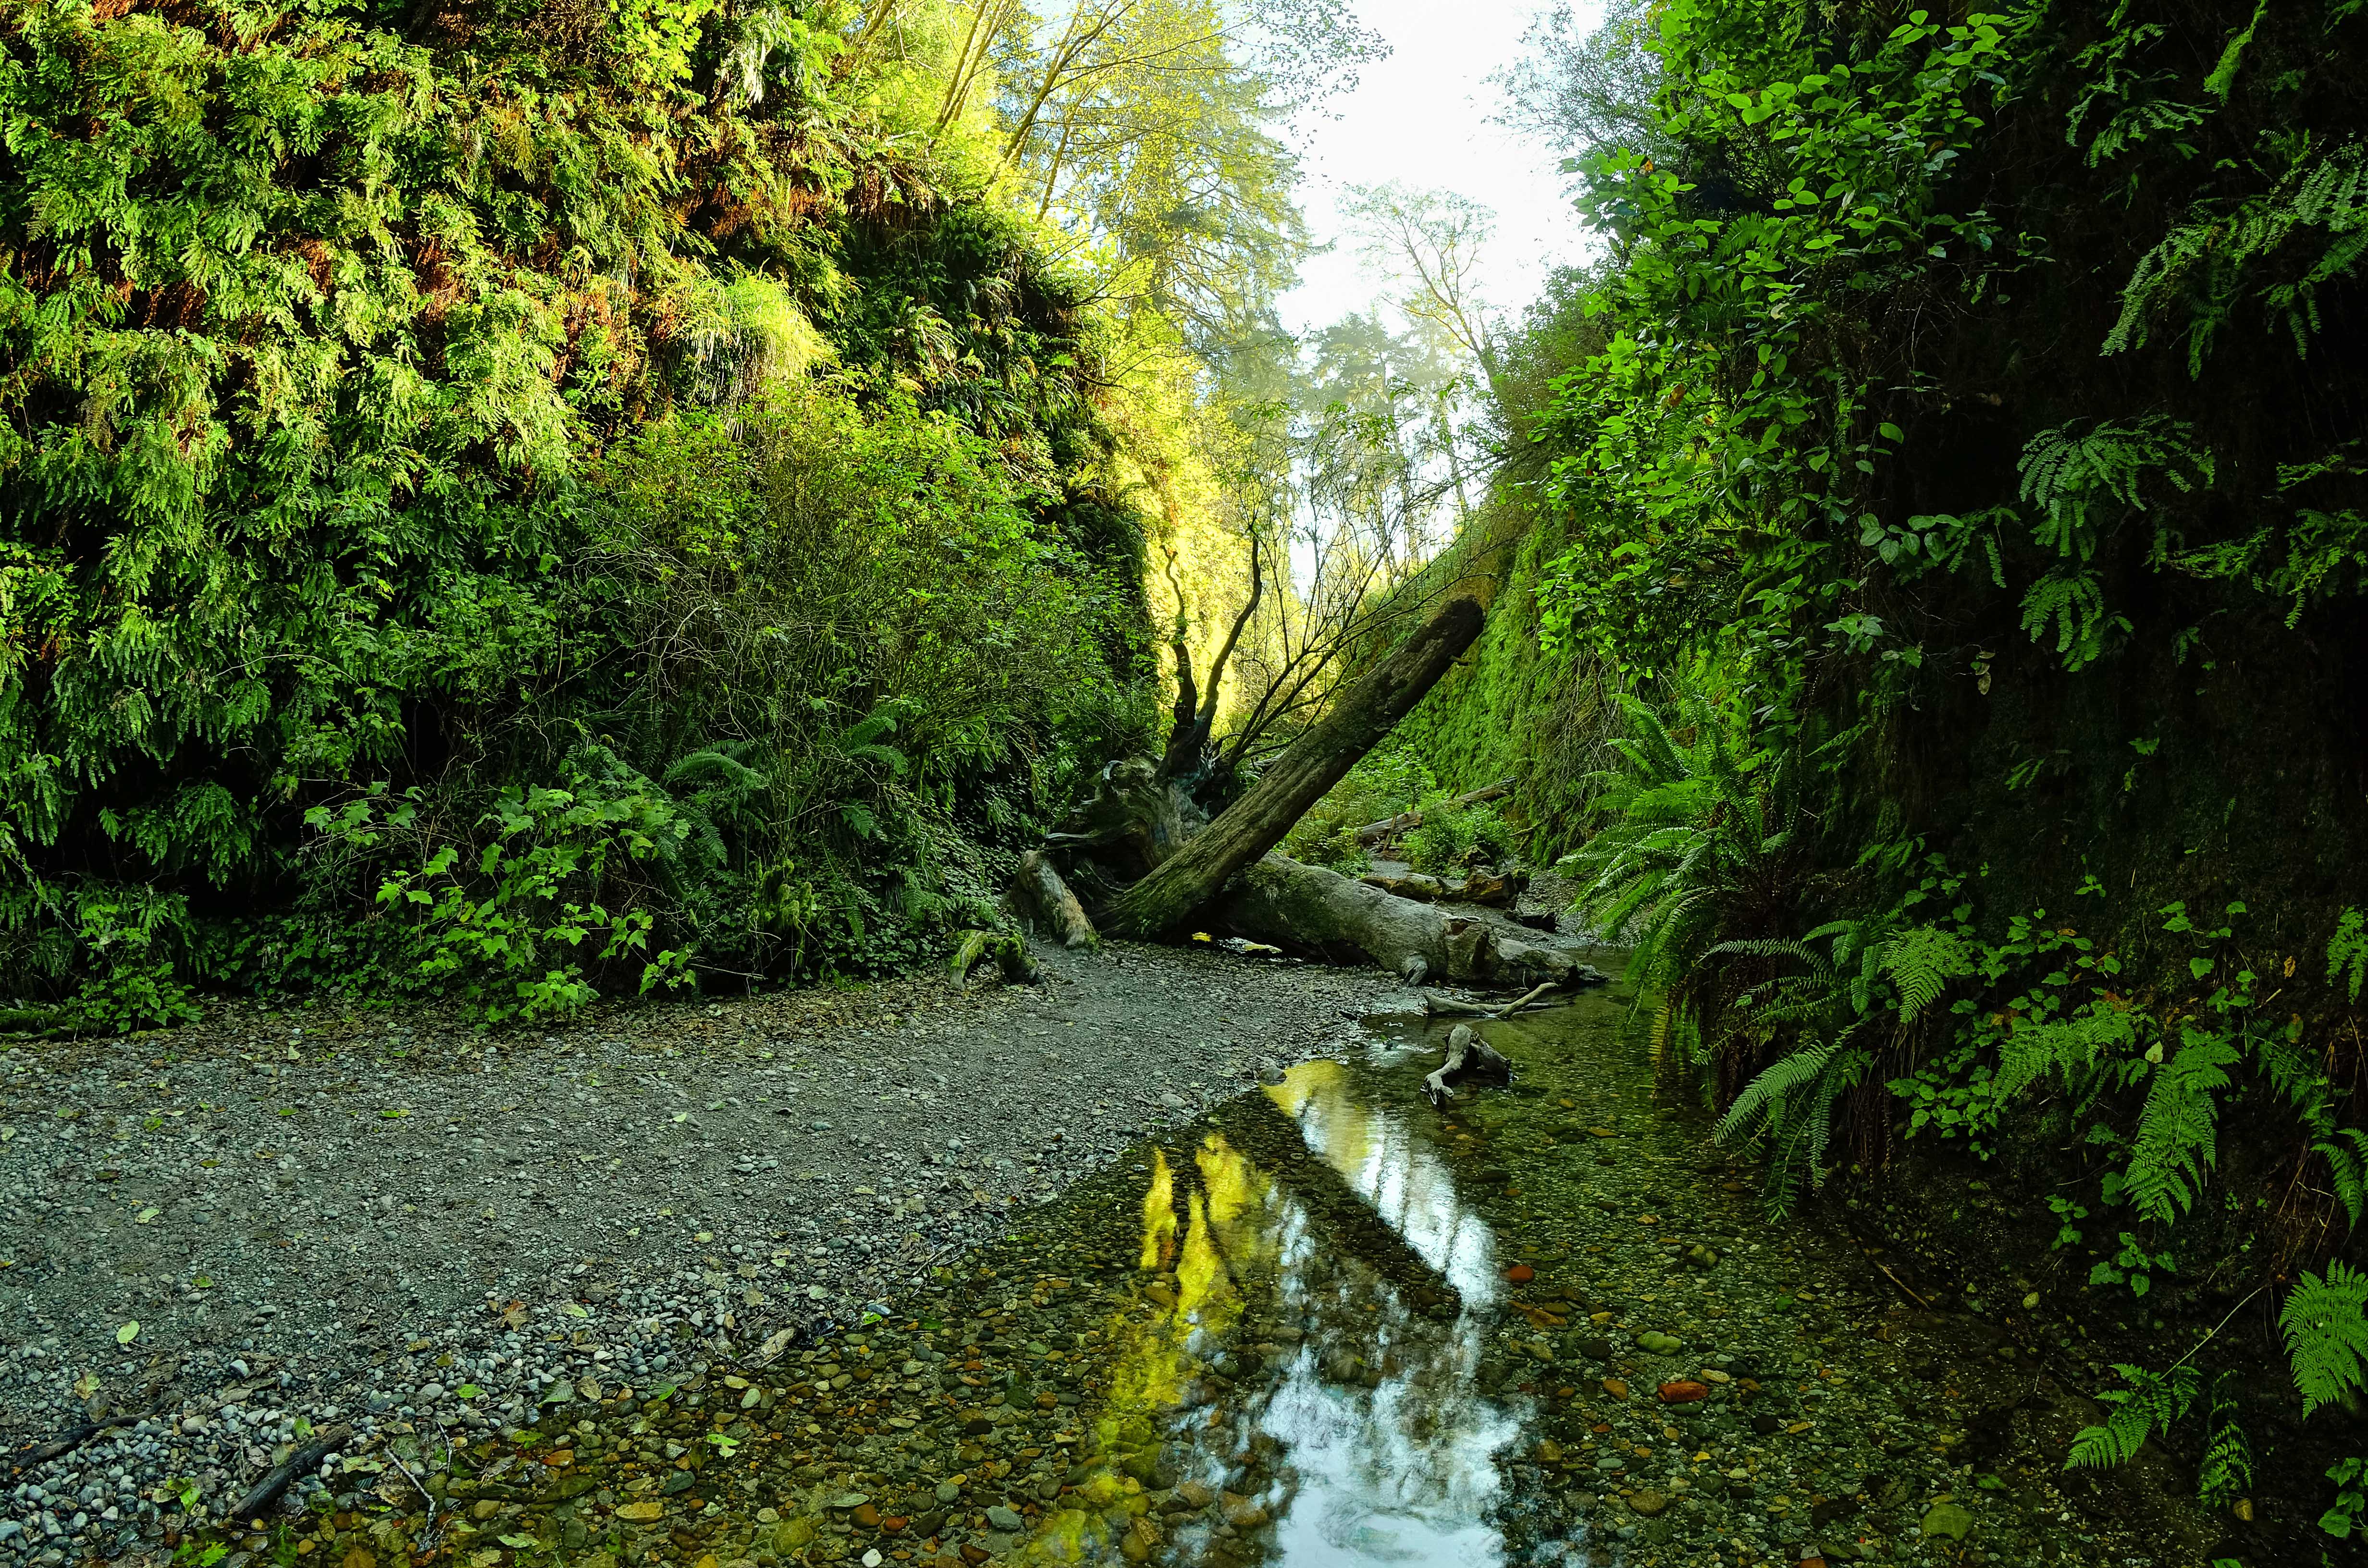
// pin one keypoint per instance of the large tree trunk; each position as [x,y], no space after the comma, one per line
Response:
[1192,876]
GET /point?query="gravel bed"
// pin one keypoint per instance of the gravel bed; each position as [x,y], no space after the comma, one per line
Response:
[237,1233]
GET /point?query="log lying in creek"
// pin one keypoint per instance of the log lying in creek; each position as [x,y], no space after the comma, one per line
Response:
[1140,861]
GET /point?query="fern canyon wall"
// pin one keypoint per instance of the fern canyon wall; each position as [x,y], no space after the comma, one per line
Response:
[1934,527]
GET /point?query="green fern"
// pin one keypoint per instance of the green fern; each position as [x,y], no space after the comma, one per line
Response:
[2069,474]
[1920,962]
[1697,842]
[2208,260]
[2226,1470]
[862,742]
[2347,952]
[2325,1323]
[2073,603]
[2177,1134]
[2072,1047]
[2150,1405]
[2346,1153]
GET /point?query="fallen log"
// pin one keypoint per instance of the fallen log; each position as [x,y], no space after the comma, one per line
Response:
[1374,832]
[1144,862]
[1047,903]
[1283,901]
[1466,1053]
[1192,876]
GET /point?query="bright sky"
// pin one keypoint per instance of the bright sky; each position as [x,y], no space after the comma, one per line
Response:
[1421,117]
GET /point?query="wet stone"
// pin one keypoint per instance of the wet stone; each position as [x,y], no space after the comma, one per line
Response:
[1949,1519]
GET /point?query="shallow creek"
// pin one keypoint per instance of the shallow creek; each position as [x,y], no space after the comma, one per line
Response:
[1329,1325]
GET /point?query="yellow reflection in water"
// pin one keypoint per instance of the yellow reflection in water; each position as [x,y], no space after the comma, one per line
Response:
[1223,1236]
[1158,1213]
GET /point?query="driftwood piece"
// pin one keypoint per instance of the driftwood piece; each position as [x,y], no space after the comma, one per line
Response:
[328,1440]
[1041,896]
[1466,1053]
[1435,1002]
[1192,877]
[1374,832]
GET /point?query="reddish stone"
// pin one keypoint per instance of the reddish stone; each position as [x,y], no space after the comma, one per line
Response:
[1683,1391]
[892,1524]
[1521,1274]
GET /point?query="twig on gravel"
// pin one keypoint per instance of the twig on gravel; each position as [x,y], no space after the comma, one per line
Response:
[65,1443]
[1903,1286]
[428,1530]
[322,1444]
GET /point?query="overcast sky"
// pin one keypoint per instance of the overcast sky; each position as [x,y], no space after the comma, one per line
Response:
[1422,117]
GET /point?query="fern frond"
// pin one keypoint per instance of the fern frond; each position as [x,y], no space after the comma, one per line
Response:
[1920,963]
[2177,1134]
[2346,1153]
[2325,1323]
[2227,1471]
[2347,952]
[2151,1404]
[2034,1051]
[1775,1083]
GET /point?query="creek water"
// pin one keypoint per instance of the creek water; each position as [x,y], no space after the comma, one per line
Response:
[1328,1323]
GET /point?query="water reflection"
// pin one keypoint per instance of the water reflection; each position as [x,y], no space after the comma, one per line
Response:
[1398,1172]
[1302,1388]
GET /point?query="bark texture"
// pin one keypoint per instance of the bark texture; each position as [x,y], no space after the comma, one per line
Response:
[1048,904]
[1296,905]
[1195,874]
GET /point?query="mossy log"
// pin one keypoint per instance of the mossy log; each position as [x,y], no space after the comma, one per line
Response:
[1191,878]
[1045,901]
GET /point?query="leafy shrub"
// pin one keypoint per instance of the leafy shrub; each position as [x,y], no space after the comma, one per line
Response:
[1385,781]
[1451,839]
